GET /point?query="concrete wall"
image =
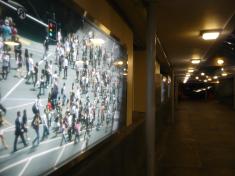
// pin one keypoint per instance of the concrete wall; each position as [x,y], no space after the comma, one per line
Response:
[104,14]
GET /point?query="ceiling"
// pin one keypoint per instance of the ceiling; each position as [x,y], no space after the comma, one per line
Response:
[179,23]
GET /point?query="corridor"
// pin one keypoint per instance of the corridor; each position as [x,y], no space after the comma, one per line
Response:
[201,142]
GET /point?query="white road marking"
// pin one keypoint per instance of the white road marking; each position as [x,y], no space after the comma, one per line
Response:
[19,106]
[33,156]
[60,155]
[19,151]
[21,99]
[11,90]
[25,167]
[26,159]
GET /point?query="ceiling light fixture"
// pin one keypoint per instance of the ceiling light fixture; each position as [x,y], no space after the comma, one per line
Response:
[215,77]
[210,35]
[220,61]
[224,74]
[195,61]
[188,75]
[202,74]
[196,77]
[190,70]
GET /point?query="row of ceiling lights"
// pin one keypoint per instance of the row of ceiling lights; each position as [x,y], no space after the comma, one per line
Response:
[206,35]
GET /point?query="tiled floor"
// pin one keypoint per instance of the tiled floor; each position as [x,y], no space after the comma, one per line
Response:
[201,142]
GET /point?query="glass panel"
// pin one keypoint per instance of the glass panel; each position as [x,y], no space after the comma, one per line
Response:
[62,74]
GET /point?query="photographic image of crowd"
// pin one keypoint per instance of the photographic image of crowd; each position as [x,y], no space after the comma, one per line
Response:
[57,96]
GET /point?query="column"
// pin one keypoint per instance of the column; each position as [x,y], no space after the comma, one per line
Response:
[233,91]
[150,108]
[172,96]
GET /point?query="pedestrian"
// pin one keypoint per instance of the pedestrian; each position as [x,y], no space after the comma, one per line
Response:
[5,65]
[66,63]
[19,131]
[25,124]
[26,58]
[46,48]
[45,122]
[1,131]
[35,74]
[17,48]
[31,68]
[20,64]
[42,83]
[35,124]
[77,131]
[64,129]
[6,30]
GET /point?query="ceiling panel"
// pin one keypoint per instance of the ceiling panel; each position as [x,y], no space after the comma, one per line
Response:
[179,23]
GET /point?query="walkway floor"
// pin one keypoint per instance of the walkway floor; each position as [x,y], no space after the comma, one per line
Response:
[201,142]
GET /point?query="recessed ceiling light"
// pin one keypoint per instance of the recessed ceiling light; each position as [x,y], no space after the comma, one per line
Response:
[202,74]
[209,79]
[190,70]
[195,61]
[220,61]
[197,77]
[224,74]
[205,80]
[215,77]
[188,75]
[210,35]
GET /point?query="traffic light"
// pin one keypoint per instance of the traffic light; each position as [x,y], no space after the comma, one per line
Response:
[52,30]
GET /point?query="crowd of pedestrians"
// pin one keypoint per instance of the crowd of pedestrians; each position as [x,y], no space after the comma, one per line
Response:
[88,101]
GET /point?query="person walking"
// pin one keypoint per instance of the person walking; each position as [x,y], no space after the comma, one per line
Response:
[19,131]
[20,64]
[31,68]
[1,131]
[26,58]
[64,130]
[35,74]
[45,122]
[77,131]
[35,124]
[5,65]
[66,63]
[46,48]
[25,124]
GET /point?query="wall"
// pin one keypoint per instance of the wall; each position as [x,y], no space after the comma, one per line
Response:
[140,81]
[224,91]
[121,155]
[105,15]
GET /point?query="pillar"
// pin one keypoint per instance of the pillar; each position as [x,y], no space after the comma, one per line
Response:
[172,96]
[150,108]
[234,91]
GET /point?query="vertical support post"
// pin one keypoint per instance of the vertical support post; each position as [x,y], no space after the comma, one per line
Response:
[172,96]
[150,113]
[234,91]
[176,94]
